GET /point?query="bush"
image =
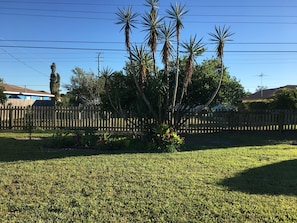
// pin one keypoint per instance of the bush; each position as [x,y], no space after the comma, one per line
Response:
[164,139]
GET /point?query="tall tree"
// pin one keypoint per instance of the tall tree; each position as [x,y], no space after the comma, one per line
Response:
[220,37]
[166,35]
[55,83]
[127,18]
[193,49]
[176,13]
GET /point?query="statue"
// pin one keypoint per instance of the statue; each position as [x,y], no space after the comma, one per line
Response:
[55,83]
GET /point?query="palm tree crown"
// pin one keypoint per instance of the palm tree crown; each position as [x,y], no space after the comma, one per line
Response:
[166,34]
[220,37]
[176,13]
[127,18]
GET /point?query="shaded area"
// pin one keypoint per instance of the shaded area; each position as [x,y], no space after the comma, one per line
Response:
[274,179]
[40,148]
[12,149]
[238,139]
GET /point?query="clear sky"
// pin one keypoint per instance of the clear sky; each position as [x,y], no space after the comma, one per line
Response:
[71,33]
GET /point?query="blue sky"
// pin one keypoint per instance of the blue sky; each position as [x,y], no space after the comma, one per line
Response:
[35,33]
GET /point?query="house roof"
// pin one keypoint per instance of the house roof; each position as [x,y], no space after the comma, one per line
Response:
[265,93]
[16,90]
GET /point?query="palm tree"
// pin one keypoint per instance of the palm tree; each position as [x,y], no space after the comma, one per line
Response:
[176,13]
[193,48]
[166,34]
[152,24]
[220,37]
[127,18]
[142,61]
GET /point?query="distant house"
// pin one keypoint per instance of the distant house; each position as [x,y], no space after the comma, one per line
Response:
[22,96]
[265,93]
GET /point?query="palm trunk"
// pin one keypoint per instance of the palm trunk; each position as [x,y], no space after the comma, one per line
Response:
[176,84]
[219,85]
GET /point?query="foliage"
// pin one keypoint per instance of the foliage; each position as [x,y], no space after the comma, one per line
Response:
[85,88]
[284,99]
[164,139]
[255,105]
[207,185]
[2,95]
[205,80]
[164,97]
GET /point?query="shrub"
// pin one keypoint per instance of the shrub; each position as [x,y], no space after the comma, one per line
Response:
[164,139]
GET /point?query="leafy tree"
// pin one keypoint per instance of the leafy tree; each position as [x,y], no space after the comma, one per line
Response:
[205,80]
[55,83]
[284,99]
[2,95]
[85,88]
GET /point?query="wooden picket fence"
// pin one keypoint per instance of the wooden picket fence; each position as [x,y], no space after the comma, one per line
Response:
[48,118]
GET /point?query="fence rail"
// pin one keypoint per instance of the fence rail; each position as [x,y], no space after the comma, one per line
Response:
[18,118]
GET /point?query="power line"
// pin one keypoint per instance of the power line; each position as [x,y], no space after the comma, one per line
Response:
[191,15]
[123,50]
[121,42]
[195,22]
[22,62]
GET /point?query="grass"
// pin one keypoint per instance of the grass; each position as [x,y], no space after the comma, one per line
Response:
[222,178]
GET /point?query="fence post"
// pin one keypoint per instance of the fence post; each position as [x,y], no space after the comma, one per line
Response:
[281,121]
[10,117]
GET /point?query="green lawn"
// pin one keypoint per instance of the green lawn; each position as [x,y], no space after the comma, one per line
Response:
[223,178]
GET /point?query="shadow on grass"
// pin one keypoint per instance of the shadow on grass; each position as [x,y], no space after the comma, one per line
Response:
[17,149]
[237,139]
[274,179]
[12,149]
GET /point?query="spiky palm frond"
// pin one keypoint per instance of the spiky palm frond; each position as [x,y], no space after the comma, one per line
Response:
[106,74]
[220,37]
[152,24]
[153,4]
[193,48]
[176,12]
[128,19]
[167,34]
[142,61]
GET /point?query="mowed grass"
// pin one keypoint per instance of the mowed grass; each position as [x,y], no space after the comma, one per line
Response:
[255,182]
